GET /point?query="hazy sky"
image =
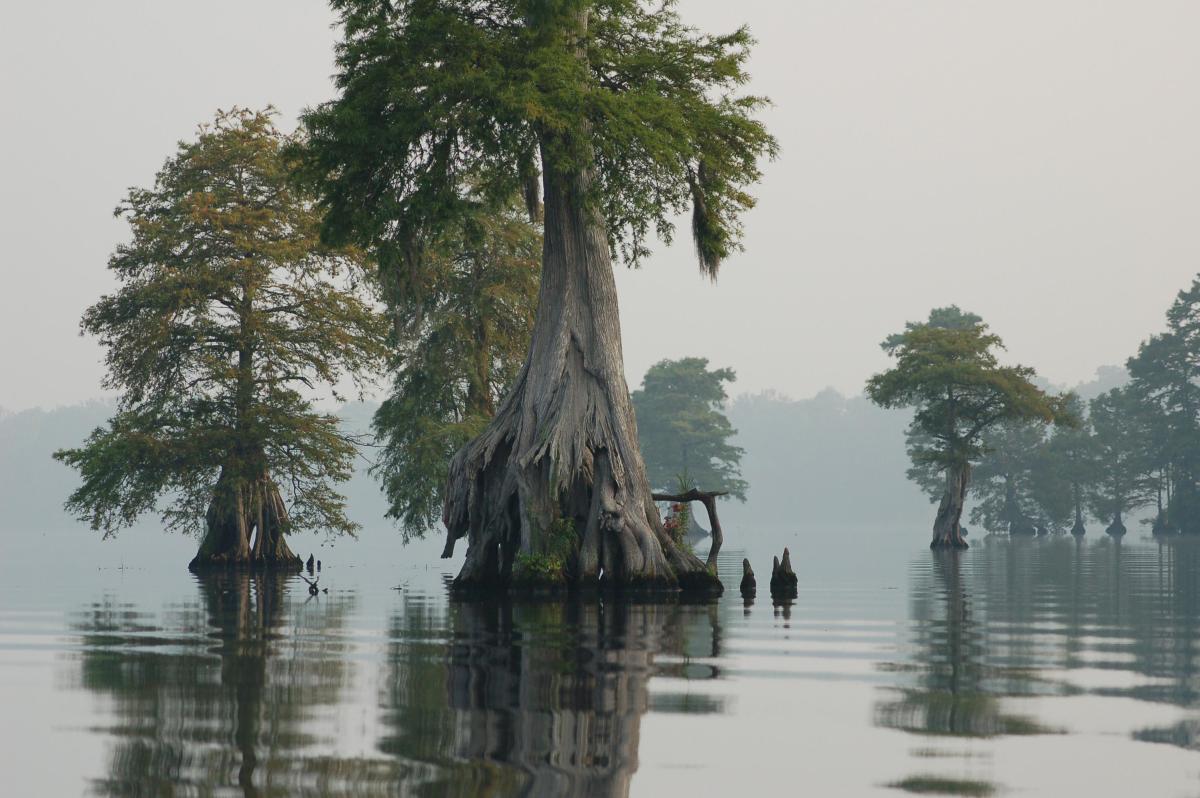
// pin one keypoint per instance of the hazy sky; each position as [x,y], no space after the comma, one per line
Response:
[1037,163]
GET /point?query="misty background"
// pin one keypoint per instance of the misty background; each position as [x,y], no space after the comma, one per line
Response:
[1033,163]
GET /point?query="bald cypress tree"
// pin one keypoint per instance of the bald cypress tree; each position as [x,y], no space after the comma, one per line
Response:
[614,116]
[230,312]
[946,369]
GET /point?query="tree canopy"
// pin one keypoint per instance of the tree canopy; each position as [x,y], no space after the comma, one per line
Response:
[447,103]
[683,430]
[229,316]
[953,379]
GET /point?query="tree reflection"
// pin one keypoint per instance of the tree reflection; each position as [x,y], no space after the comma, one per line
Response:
[955,690]
[540,698]
[218,697]
[1027,614]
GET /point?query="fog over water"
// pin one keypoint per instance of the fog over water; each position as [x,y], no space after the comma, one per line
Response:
[1032,162]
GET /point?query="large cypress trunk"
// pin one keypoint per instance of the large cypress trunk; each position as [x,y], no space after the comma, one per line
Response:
[947,527]
[555,490]
[245,525]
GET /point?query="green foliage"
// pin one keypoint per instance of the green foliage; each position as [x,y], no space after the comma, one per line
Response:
[1123,478]
[682,427]
[458,343]
[947,370]
[538,568]
[1067,465]
[1006,480]
[951,317]
[445,104]
[230,312]
[1030,477]
[548,566]
[1166,382]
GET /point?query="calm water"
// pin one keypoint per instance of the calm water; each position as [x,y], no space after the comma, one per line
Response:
[1031,668]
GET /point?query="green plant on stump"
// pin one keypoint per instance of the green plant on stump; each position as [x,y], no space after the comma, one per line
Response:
[549,566]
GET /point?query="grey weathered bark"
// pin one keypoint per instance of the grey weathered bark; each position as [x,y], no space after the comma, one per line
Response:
[245,526]
[749,586]
[561,455]
[947,527]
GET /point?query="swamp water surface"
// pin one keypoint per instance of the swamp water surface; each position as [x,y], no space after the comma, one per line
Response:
[1024,667]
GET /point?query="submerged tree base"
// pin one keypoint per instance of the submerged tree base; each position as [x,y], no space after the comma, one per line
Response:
[216,564]
[245,523]
[949,544]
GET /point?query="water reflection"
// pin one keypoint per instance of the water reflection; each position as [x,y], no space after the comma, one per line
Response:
[993,628]
[542,698]
[955,688]
[240,692]
[247,686]
[217,694]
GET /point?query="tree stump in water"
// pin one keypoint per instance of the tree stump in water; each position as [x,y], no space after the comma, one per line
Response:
[749,586]
[1079,530]
[1116,529]
[783,578]
[311,562]
[709,499]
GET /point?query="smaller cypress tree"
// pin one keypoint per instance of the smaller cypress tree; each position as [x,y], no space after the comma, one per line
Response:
[230,314]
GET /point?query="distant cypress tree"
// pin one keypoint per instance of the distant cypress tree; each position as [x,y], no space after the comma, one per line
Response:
[1166,381]
[946,369]
[1123,479]
[683,430]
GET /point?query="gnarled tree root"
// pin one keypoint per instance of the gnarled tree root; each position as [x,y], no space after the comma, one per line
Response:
[591,533]
[245,527]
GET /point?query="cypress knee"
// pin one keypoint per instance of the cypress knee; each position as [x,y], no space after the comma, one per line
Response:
[749,586]
[783,578]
